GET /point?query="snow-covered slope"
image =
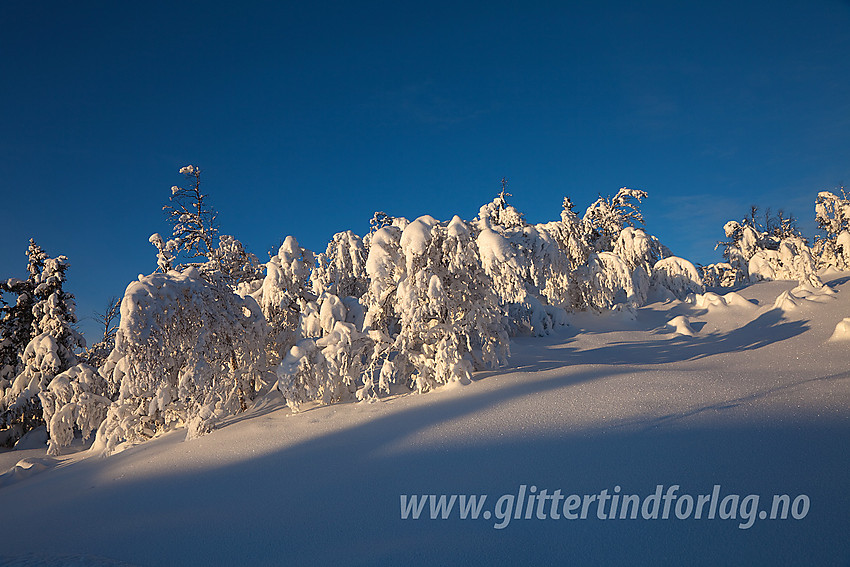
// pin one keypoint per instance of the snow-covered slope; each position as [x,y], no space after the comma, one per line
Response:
[757,401]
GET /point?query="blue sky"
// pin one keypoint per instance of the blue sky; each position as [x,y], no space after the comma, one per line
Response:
[308,117]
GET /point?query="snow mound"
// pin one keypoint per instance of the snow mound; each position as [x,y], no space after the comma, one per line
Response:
[26,468]
[791,300]
[33,439]
[733,299]
[842,331]
[710,300]
[812,293]
[681,325]
[787,301]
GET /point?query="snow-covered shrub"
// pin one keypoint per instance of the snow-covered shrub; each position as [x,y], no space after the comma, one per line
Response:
[75,400]
[678,276]
[187,352]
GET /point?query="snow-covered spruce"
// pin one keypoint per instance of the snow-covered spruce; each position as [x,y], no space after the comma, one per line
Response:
[52,342]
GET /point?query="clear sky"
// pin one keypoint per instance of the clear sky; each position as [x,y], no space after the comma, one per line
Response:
[308,117]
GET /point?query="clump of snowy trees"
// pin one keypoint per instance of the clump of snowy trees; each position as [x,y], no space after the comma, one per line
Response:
[411,305]
[774,249]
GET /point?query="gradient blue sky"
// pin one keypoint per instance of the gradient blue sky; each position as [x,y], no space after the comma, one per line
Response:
[308,117]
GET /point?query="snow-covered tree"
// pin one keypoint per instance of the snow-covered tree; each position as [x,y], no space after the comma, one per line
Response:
[568,269]
[606,218]
[187,352]
[792,260]
[166,251]
[530,274]
[17,320]
[52,346]
[610,283]
[433,315]
[677,277]
[499,212]
[15,327]
[832,214]
[385,267]
[326,369]
[75,401]
[720,274]
[194,231]
[532,267]
[231,264]
[450,319]
[341,269]
[95,354]
[284,295]
[767,251]
[192,220]
[638,249]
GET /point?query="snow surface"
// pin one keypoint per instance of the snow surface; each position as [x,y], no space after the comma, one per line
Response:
[758,402]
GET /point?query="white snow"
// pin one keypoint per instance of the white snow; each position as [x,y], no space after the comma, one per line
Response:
[757,401]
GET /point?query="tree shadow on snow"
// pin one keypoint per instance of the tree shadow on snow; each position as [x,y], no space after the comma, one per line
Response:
[767,329]
[334,499]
